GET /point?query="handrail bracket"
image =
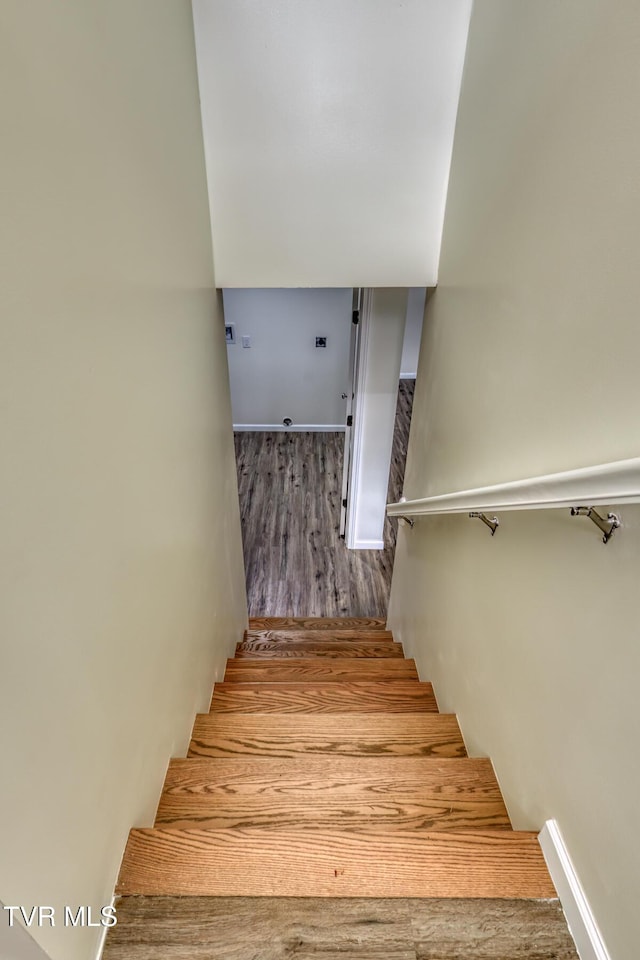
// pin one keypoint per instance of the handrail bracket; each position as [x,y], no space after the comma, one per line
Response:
[608,526]
[493,523]
[408,520]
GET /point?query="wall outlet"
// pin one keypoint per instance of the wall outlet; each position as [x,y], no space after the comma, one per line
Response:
[246,342]
[321,341]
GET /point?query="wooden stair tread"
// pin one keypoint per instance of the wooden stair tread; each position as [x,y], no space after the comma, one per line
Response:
[349,793]
[255,862]
[317,623]
[267,648]
[376,668]
[386,696]
[337,636]
[450,777]
[327,636]
[286,735]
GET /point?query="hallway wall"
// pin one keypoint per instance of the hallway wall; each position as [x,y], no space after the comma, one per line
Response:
[529,365]
[283,373]
[120,555]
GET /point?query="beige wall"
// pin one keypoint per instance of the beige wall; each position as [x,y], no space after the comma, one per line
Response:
[529,365]
[120,552]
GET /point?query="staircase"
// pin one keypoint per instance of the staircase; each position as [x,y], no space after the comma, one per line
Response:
[325,770]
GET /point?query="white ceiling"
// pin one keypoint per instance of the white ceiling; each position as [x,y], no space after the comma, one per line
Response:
[328,130]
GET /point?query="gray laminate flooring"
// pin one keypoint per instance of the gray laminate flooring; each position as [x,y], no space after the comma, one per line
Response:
[295,562]
[290,928]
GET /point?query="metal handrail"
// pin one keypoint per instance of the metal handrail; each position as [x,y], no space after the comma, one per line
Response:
[604,484]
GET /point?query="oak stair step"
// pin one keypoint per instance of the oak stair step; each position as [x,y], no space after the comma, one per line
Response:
[370,817]
[340,670]
[352,794]
[359,624]
[384,696]
[448,777]
[267,648]
[254,862]
[353,735]
[341,636]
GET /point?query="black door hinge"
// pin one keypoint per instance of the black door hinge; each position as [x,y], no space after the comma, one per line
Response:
[355,317]
[349,421]
[344,503]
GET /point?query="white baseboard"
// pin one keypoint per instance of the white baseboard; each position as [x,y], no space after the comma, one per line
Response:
[367,545]
[408,376]
[104,932]
[294,428]
[580,919]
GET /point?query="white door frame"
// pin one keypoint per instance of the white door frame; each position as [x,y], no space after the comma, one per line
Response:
[351,392]
[355,459]
[380,341]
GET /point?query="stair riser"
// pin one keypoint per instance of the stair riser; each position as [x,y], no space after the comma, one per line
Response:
[339,671]
[401,814]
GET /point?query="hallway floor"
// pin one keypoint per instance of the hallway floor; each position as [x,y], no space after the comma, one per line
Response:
[290,928]
[295,562]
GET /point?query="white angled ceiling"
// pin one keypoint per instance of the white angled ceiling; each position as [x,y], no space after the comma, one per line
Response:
[328,129]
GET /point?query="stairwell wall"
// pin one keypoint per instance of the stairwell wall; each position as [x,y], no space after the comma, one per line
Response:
[120,555]
[529,365]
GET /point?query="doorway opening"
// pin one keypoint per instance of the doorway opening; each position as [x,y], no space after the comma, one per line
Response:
[291,476]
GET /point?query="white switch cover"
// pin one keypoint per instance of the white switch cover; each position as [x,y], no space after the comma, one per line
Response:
[246,342]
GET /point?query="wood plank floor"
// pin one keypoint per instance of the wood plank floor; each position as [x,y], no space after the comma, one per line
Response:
[290,488]
[275,928]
